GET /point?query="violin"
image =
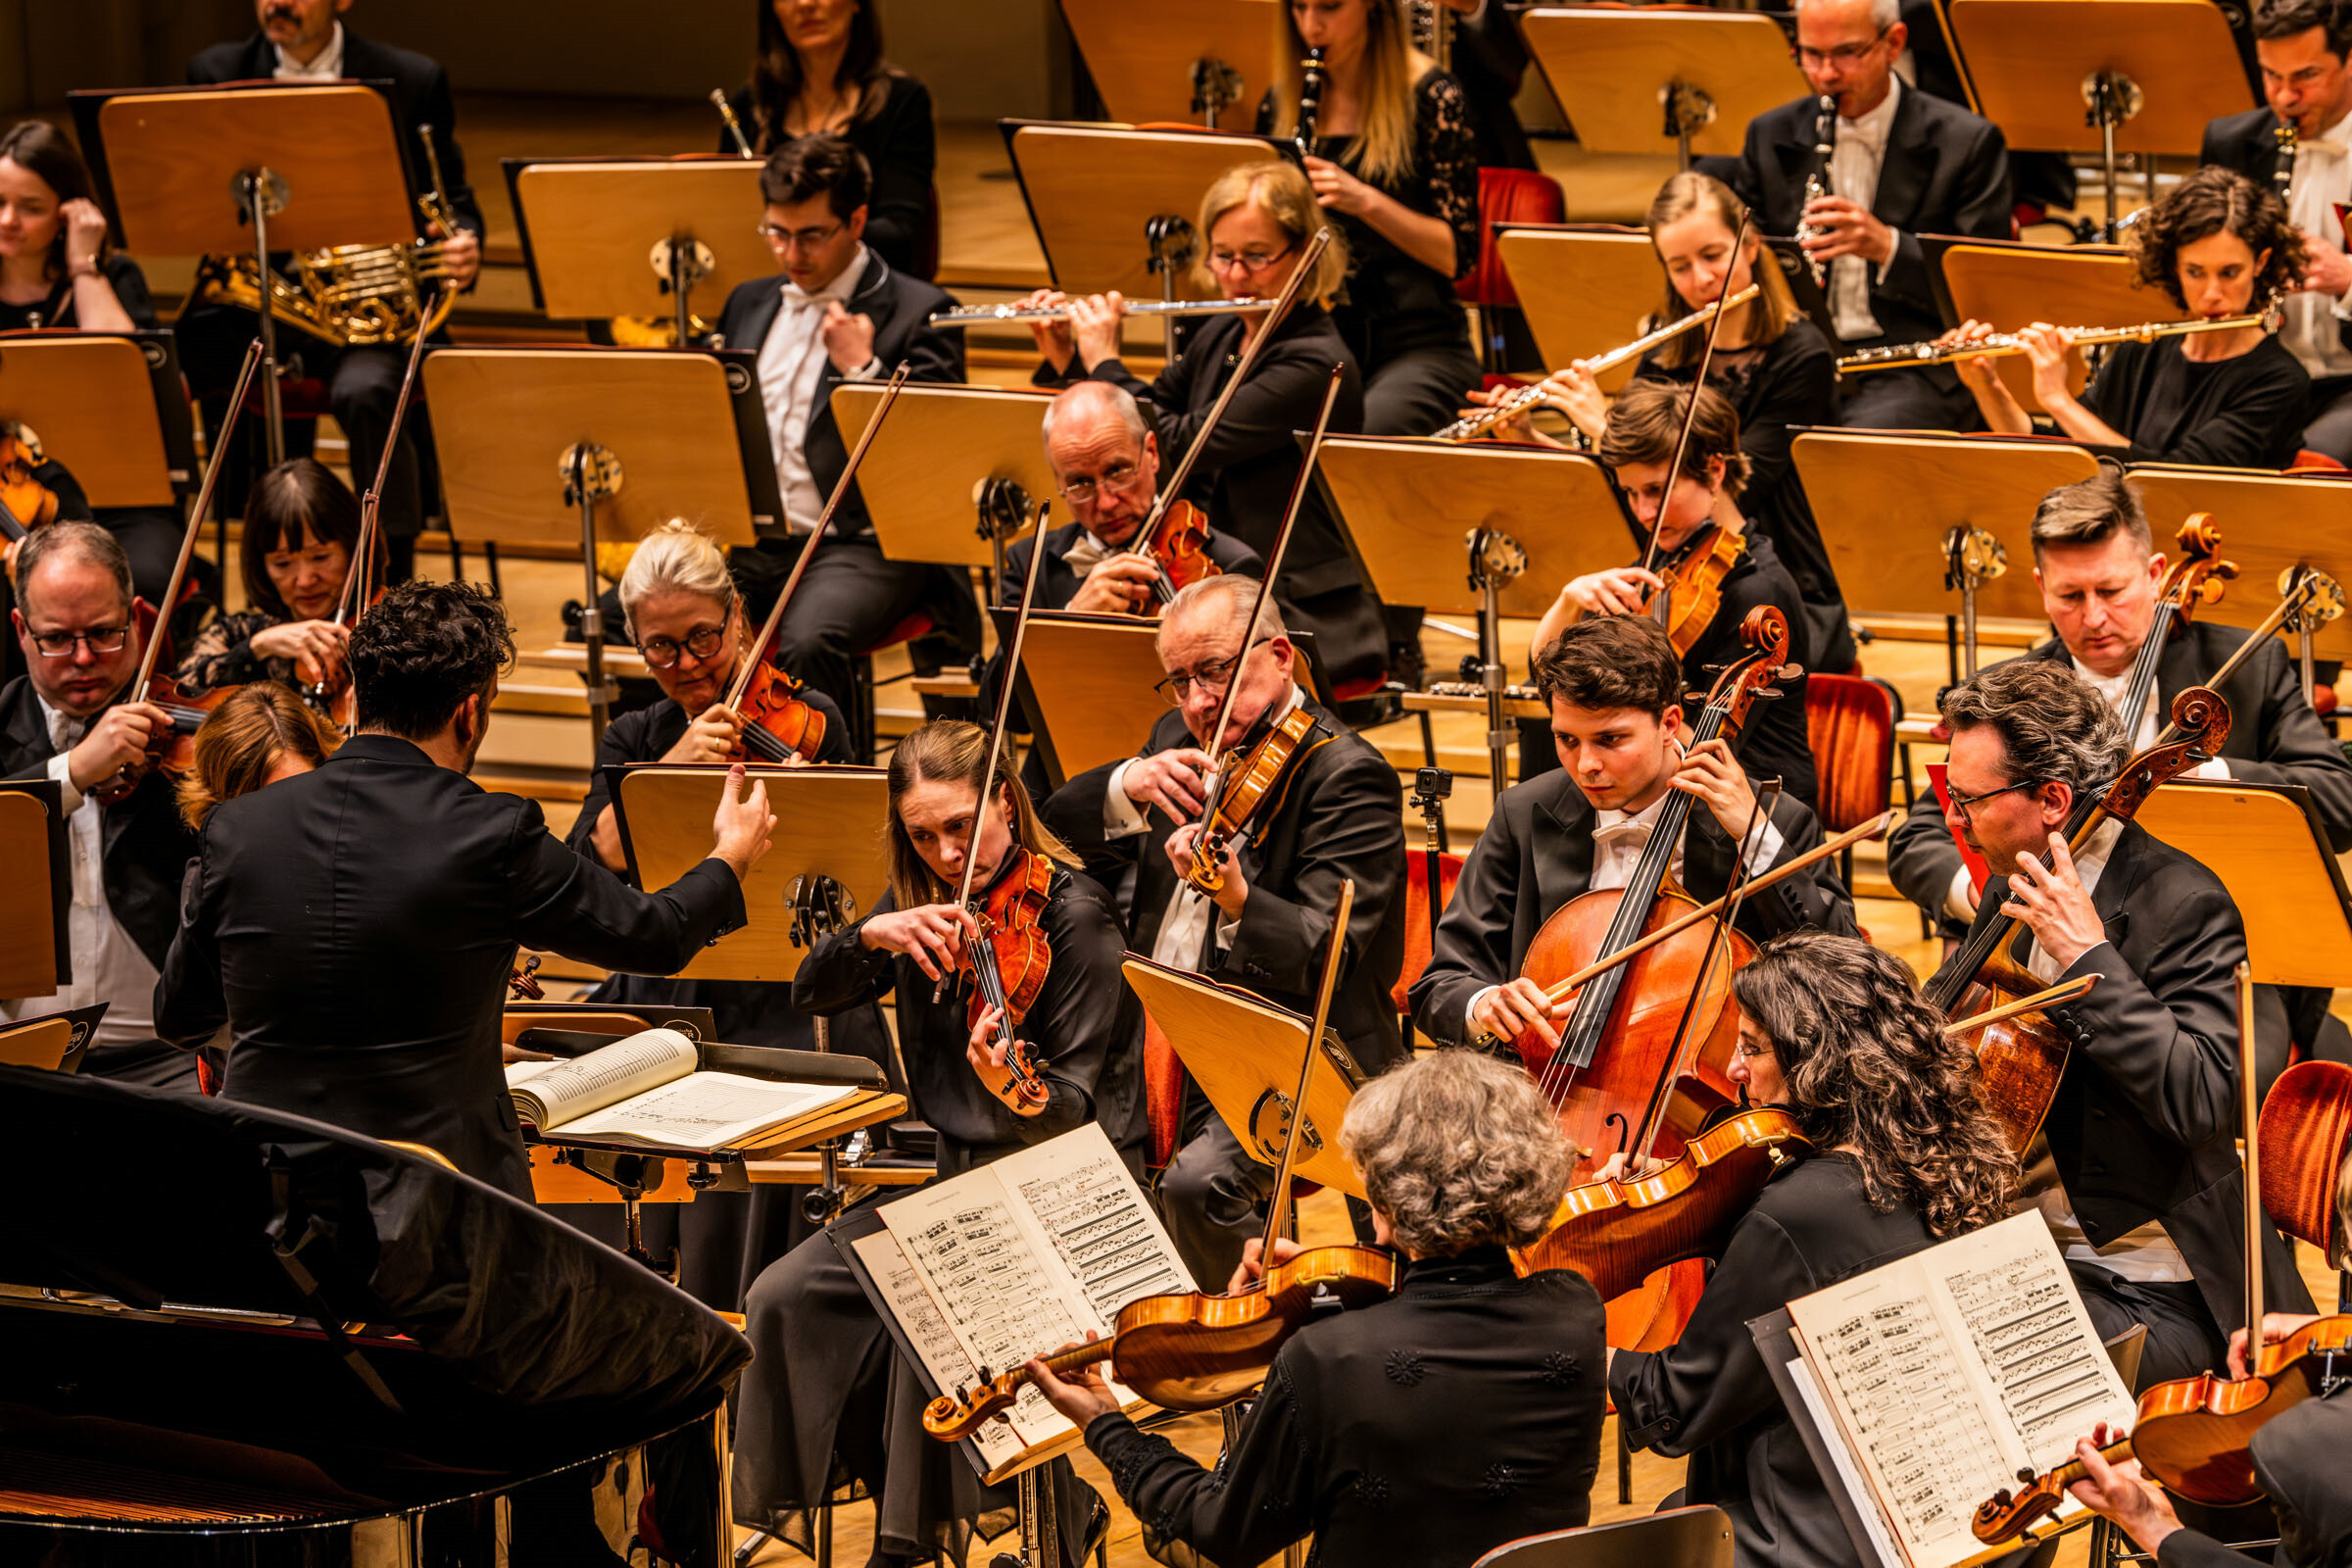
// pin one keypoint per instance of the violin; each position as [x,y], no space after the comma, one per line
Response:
[26,504]
[777,724]
[1692,595]
[1006,961]
[522,984]
[1176,541]
[1193,1350]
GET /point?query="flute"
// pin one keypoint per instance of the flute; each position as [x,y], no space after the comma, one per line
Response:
[1896,355]
[1527,397]
[969,314]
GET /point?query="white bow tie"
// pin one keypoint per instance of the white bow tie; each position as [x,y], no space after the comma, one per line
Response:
[1628,834]
[66,732]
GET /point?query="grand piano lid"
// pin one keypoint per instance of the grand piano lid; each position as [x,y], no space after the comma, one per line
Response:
[160,1198]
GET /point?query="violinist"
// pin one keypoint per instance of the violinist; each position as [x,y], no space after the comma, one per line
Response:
[2142,1187]
[302,526]
[384,1016]
[1255,222]
[68,718]
[2218,245]
[259,734]
[2095,563]
[1903,1156]
[836,313]
[1335,814]
[1359,1433]
[1615,690]
[1695,514]
[829,1396]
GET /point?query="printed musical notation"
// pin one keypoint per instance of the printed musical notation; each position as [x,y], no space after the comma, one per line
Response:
[1003,1305]
[935,1343]
[1914,1413]
[2022,1319]
[1103,1235]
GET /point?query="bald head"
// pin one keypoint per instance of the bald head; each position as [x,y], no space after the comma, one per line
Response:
[1848,50]
[1105,457]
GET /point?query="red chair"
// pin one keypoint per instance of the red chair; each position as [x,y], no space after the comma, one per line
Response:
[1418,934]
[1849,725]
[1504,196]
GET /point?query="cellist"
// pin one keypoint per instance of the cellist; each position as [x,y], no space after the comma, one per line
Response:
[1905,1156]
[1615,690]
[2143,1188]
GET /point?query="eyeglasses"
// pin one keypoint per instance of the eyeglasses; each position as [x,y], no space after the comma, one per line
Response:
[806,239]
[1845,54]
[1747,1051]
[1246,261]
[1966,803]
[102,640]
[662,651]
[1212,678]
[1117,478]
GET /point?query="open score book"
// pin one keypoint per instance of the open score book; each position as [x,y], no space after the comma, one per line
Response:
[644,1089]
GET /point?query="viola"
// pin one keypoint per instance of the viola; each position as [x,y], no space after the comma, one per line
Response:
[1177,542]
[1255,776]
[26,504]
[1006,961]
[1686,606]
[172,753]
[777,724]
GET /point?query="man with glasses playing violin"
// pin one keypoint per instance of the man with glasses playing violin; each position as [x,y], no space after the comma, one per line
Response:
[2098,569]
[836,313]
[1902,164]
[1335,814]
[65,719]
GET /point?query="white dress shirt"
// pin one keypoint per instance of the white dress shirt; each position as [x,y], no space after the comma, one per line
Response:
[792,361]
[1855,158]
[2313,324]
[1618,840]
[107,965]
[326,66]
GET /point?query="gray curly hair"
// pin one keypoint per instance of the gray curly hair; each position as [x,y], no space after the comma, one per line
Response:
[2052,725]
[1458,1151]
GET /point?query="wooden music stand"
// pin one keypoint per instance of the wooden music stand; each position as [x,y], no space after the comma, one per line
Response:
[1205,60]
[1082,679]
[42,1043]
[255,168]
[1422,514]
[638,236]
[2144,69]
[1612,71]
[922,476]
[108,405]
[2268,522]
[2270,851]
[34,890]
[1584,288]
[1096,193]
[829,822]
[1243,1051]
[1888,502]
[2013,285]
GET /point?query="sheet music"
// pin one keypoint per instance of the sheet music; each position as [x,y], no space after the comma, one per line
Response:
[547,1095]
[2026,1324]
[935,1343]
[707,1110]
[1105,1232]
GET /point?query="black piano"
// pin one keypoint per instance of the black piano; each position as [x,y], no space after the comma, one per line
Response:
[237,1337]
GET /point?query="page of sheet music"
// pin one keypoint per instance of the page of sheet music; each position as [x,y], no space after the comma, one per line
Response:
[561,1091]
[935,1343]
[1088,1209]
[2040,1351]
[707,1110]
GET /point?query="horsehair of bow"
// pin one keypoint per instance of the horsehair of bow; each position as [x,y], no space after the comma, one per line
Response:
[1706,356]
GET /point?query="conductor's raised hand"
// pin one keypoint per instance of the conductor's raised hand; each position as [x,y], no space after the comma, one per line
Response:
[932,935]
[1711,772]
[1517,1006]
[1095,326]
[743,823]
[1053,338]
[1080,1395]
[1175,781]
[848,338]
[1618,591]
[1251,1270]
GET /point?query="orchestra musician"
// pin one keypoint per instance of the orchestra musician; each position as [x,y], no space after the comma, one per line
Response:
[1257,218]
[837,312]
[354,927]
[1775,366]
[1489,58]
[1902,164]
[302,526]
[69,718]
[828,1394]
[305,40]
[2303,46]
[1615,690]
[820,69]
[261,733]
[57,268]
[1337,815]
[2142,1186]
[1461,1162]
[1904,1155]
[1687,513]
[2097,568]
[1389,156]
[2219,245]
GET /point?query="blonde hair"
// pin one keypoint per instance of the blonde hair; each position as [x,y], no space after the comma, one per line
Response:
[1392,68]
[241,742]
[1774,307]
[1281,192]
[1458,1151]
[675,557]
[948,751]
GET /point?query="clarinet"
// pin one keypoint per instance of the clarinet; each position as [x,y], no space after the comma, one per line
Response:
[1817,183]
[2283,172]
[1310,100]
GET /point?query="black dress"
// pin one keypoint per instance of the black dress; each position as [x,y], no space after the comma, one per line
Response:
[723,1239]
[1710,1396]
[57,311]
[829,1394]
[1410,332]
[1428,1428]
[2244,412]
[894,130]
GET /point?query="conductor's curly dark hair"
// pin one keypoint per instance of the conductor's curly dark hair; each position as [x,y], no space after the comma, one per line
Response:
[421,651]
[2206,203]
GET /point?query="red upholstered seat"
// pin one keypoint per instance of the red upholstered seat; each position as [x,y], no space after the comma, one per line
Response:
[1850,723]
[1163,1092]
[915,625]
[1417,934]
[2310,462]
[1506,196]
